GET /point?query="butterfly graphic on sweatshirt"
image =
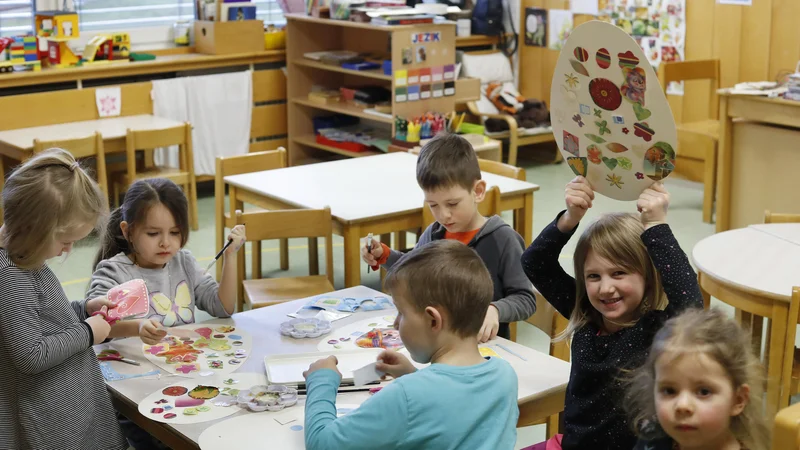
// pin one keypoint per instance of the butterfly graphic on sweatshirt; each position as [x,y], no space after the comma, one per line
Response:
[177,311]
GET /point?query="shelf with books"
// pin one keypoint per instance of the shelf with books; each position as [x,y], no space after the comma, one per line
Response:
[311,141]
[374,74]
[343,108]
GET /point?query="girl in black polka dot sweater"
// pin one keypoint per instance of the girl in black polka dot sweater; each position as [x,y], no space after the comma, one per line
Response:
[631,277]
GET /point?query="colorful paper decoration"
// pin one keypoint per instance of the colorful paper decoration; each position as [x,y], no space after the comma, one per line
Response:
[612,121]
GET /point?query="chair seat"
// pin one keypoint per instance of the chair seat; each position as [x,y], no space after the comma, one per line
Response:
[708,128]
[176,175]
[271,291]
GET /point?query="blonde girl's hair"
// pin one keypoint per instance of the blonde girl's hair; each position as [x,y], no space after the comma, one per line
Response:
[44,197]
[714,334]
[616,237]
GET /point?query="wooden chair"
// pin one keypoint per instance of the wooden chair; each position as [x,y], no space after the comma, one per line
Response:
[779,350]
[551,323]
[237,165]
[697,141]
[786,429]
[87,147]
[493,66]
[152,139]
[285,224]
[770,217]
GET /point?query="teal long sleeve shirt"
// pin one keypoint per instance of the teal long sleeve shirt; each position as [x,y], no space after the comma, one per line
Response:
[440,407]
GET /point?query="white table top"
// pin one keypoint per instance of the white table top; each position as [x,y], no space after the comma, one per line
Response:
[356,189]
[110,128]
[540,375]
[789,232]
[752,259]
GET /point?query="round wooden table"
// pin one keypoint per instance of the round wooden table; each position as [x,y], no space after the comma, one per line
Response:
[757,271]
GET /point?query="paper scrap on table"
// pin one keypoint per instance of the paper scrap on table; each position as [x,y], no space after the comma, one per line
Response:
[288,415]
[367,374]
[486,351]
[330,316]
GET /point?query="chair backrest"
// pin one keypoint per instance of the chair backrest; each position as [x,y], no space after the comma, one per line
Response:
[489,207]
[701,69]
[237,165]
[547,319]
[770,217]
[786,429]
[291,223]
[502,169]
[91,145]
[152,139]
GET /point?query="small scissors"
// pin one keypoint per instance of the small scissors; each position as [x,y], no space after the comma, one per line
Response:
[113,355]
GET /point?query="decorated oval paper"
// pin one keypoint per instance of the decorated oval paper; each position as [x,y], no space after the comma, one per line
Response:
[611,118]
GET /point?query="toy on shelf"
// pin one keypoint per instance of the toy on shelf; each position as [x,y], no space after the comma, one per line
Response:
[58,28]
[410,132]
[19,51]
[107,48]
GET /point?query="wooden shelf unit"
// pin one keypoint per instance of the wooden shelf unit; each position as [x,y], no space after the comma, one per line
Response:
[307,34]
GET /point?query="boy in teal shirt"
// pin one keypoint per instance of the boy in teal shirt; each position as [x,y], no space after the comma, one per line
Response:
[462,401]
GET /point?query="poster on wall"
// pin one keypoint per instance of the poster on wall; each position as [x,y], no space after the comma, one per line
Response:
[658,26]
[560,25]
[584,7]
[535,27]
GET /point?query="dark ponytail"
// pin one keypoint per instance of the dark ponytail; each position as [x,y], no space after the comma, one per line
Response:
[140,197]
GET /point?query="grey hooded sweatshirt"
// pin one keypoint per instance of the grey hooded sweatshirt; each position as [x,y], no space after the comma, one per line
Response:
[500,248]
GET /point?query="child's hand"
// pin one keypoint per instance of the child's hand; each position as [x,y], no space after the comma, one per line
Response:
[371,257]
[394,364]
[653,204]
[94,305]
[326,363]
[491,324]
[151,332]
[100,328]
[238,236]
[578,195]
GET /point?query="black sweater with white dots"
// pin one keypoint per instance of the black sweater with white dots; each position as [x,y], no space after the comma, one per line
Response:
[593,414]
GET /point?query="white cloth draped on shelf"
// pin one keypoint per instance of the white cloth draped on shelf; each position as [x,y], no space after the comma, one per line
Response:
[219,107]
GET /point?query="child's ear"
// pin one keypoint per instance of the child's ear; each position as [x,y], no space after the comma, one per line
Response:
[123,226]
[740,399]
[479,190]
[434,318]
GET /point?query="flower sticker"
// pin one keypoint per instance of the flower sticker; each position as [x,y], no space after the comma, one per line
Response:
[571,80]
[639,176]
[605,94]
[594,154]
[614,180]
[626,131]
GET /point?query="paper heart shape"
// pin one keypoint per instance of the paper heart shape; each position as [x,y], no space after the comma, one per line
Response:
[611,163]
[204,331]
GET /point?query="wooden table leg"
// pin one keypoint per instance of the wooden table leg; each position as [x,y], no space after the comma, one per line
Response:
[352,255]
[523,222]
[284,250]
[724,166]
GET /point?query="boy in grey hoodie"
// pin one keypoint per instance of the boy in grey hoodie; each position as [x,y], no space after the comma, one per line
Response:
[449,174]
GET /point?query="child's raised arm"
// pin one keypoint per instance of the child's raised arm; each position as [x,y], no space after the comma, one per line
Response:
[677,276]
[540,260]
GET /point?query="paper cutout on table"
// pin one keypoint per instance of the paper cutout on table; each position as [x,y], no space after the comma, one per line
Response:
[109,101]
[349,304]
[388,338]
[200,404]
[367,374]
[355,331]
[488,352]
[560,27]
[615,140]
[187,356]
[111,374]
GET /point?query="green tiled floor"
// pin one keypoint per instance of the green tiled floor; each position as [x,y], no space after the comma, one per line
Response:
[685,217]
